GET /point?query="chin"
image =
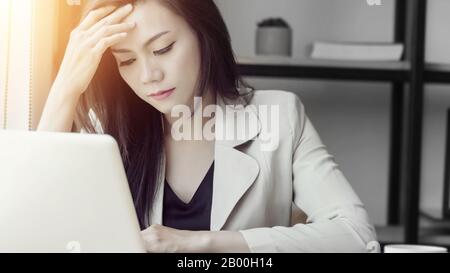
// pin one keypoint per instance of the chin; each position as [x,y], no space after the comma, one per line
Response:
[166,106]
[166,109]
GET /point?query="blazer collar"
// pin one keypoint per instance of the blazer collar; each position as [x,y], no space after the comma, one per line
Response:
[234,170]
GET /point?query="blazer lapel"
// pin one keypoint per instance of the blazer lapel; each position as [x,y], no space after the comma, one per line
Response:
[234,171]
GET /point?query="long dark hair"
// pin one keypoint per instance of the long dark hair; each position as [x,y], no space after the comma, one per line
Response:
[120,111]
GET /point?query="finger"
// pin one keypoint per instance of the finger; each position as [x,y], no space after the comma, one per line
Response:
[107,42]
[109,31]
[94,16]
[114,18]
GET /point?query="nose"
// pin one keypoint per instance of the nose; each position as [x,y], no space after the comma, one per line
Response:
[151,74]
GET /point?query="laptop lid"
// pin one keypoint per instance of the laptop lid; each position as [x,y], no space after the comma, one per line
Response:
[64,192]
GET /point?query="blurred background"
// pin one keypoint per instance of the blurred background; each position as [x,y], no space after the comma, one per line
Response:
[381,112]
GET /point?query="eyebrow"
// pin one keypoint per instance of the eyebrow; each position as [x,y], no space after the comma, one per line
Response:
[151,40]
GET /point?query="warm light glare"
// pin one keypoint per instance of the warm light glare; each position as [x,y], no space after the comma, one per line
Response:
[16,17]
[4,27]
[4,9]
[4,5]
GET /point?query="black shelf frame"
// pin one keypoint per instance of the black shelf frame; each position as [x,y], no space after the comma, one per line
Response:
[414,121]
[437,76]
[324,72]
[406,107]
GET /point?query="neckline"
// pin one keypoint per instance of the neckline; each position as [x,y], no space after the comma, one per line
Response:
[194,196]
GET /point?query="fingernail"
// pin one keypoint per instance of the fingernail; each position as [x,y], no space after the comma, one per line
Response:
[128,6]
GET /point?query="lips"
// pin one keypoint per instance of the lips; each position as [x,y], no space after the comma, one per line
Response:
[159,93]
[162,94]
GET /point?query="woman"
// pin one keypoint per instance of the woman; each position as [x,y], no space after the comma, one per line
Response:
[128,67]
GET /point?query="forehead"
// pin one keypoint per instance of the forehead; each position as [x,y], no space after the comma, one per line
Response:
[151,18]
[151,12]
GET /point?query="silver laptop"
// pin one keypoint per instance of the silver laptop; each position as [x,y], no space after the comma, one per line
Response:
[64,192]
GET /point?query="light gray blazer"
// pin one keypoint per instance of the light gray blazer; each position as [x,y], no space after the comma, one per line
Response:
[254,188]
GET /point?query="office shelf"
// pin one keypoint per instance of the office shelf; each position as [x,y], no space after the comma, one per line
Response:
[284,67]
[405,154]
[437,73]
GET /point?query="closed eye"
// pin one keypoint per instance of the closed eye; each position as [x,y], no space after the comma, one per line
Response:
[125,63]
[158,52]
[164,50]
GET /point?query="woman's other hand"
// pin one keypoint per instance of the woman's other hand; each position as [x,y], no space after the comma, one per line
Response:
[161,239]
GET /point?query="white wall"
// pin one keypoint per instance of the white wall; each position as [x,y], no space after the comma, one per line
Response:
[352,118]
[310,19]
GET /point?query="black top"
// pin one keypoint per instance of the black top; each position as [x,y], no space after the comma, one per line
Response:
[196,215]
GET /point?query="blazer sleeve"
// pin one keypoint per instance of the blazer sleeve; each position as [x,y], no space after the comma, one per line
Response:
[337,220]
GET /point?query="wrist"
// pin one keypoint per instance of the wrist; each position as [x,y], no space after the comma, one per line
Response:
[202,241]
[64,94]
[65,90]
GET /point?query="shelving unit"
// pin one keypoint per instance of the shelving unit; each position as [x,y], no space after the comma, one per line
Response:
[324,69]
[406,111]
[437,73]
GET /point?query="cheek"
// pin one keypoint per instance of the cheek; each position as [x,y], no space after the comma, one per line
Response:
[127,75]
[186,62]
[130,78]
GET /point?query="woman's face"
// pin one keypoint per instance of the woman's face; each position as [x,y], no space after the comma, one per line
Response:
[161,53]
